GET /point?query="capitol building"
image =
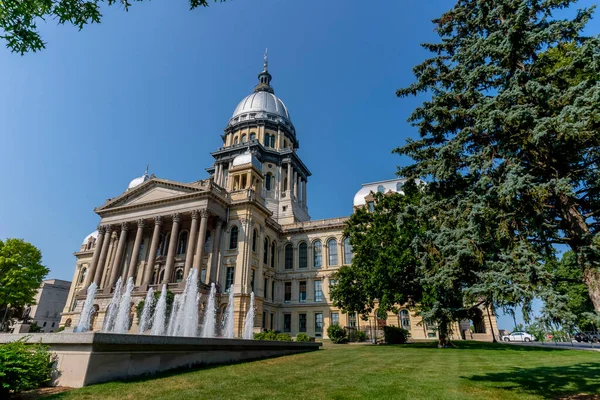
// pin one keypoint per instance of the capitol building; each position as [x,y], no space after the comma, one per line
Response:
[245,228]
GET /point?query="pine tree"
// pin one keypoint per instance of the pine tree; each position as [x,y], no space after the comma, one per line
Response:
[510,146]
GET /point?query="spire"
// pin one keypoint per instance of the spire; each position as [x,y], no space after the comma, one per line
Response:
[264,78]
[146,173]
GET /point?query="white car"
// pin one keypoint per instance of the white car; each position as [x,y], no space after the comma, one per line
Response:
[519,337]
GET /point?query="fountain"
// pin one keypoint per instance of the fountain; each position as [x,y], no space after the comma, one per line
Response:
[111,313]
[145,322]
[122,321]
[160,313]
[228,317]
[189,307]
[171,329]
[210,315]
[249,322]
[87,310]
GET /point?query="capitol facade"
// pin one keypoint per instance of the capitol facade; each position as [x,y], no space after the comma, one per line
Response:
[245,228]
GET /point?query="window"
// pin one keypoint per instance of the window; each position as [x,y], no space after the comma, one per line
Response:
[380,189]
[207,242]
[273,255]
[235,140]
[252,136]
[398,186]
[265,286]
[254,237]
[53,324]
[182,243]
[228,279]
[266,251]
[332,251]
[289,256]
[352,320]
[141,250]
[318,291]
[203,275]
[272,140]
[287,322]
[179,275]
[371,206]
[271,321]
[335,318]
[332,283]
[244,138]
[317,254]
[83,273]
[273,290]
[45,323]
[302,322]
[233,237]
[303,255]
[252,279]
[405,319]
[268,181]
[264,321]
[302,292]
[347,252]
[288,292]
[74,305]
[318,324]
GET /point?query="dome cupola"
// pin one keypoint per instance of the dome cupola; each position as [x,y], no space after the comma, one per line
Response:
[139,180]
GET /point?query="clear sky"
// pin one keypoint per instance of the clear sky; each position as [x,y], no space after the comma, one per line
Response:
[157,85]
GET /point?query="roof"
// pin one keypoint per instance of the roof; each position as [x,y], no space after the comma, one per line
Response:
[393,185]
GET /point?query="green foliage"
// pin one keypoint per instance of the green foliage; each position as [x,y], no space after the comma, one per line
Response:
[60,329]
[21,274]
[19,18]
[510,148]
[24,366]
[34,327]
[357,336]
[283,337]
[337,334]
[303,337]
[140,306]
[395,335]
[266,335]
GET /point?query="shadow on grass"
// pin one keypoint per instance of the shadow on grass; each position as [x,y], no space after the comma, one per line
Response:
[548,382]
[472,345]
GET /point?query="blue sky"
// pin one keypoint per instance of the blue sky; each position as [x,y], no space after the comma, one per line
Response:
[157,85]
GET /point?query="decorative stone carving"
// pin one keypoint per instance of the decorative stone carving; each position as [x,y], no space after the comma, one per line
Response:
[204,213]
[158,220]
[195,214]
[124,227]
[101,229]
[176,217]
[141,223]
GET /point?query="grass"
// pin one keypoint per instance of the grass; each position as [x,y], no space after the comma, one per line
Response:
[414,371]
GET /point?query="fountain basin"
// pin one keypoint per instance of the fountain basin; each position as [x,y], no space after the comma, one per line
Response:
[94,357]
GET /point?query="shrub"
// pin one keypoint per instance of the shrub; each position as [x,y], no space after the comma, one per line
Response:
[395,335]
[266,335]
[283,337]
[361,336]
[337,334]
[303,337]
[140,306]
[34,328]
[60,329]
[24,366]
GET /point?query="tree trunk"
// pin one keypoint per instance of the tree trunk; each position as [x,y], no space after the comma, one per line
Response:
[591,277]
[443,334]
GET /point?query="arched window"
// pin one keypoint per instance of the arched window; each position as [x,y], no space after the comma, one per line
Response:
[380,189]
[252,136]
[273,255]
[398,186]
[405,319]
[317,254]
[347,251]
[83,274]
[254,240]
[268,181]
[68,322]
[289,256]
[235,140]
[266,250]
[182,243]
[207,242]
[272,140]
[302,255]
[233,237]
[179,275]
[244,138]
[332,251]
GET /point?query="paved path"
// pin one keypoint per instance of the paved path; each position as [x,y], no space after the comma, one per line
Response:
[559,345]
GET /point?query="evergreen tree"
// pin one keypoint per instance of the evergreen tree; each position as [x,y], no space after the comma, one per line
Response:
[510,146]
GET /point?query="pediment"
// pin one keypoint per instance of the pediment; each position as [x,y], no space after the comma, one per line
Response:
[150,192]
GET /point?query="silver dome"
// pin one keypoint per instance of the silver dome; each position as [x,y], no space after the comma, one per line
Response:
[261,105]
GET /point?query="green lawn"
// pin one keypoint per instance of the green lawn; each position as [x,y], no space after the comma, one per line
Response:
[414,371]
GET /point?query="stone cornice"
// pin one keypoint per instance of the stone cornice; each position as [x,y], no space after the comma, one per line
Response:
[318,225]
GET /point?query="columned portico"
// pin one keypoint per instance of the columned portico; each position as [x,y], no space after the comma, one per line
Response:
[172,248]
[158,222]
[94,265]
[133,265]
[201,239]
[191,246]
[103,253]
[117,262]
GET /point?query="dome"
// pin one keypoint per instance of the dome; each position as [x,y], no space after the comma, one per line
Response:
[264,103]
[393,185]
[91,235]
[137,181]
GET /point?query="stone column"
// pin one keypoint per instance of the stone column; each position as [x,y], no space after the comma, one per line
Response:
[172,249]
[116,266]
[304,192]
[94,265]
[294,185]
[200,242]
[216,250]
[262,290]
[133,263]
[280,180]
[153,247]
[289,179]
[102,260]
[189,256]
